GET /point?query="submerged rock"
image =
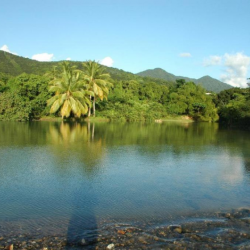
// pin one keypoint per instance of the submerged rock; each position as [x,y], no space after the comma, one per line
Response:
[111,246]
[175,228]
[83,242]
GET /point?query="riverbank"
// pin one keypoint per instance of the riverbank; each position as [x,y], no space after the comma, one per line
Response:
[104,119]
[222,230]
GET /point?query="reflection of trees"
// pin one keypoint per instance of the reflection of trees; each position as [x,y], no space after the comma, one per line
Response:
[180,137]
[85,143]
[77,141]
[247,164]
[23,134]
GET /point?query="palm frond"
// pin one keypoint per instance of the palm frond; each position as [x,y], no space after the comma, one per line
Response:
[55,107]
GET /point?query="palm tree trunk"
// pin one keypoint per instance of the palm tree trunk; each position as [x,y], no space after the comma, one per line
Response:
[93,132]
[94,106]
[89,112]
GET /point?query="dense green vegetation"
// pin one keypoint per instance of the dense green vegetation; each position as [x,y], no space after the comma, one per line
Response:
[26,96]
[74,89]
[132,100]
[234,107]
[23,97]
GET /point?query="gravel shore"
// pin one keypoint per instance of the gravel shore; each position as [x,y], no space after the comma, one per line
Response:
[223,230]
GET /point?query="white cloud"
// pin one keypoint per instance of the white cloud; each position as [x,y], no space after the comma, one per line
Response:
[186,54]
[107,61]
[212,60]
[237,66]
[68,59]
[43,57]
[5,48]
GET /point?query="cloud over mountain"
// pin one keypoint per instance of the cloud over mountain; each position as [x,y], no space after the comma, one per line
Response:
[107,61]
[43,57]
[235,67]
[6,48]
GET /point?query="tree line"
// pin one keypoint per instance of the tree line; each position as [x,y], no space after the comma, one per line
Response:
[69,92]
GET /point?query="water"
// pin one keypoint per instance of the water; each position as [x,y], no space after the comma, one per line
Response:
[68,177]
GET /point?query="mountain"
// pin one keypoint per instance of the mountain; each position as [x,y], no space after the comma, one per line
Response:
[207,82]
[15,65]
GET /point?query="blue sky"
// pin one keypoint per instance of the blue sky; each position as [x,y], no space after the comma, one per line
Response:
[185,37]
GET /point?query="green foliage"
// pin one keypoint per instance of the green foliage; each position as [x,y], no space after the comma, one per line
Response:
[24,97]
[14,108]
[190,99]
[134,111]
[70,92]
[234,107]
[131,97]
[97,81]
[3,81]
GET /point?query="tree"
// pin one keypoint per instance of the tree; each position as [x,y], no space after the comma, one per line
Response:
[70,92]
[98,81]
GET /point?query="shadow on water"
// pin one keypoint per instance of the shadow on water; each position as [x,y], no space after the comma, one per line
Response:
[78,141]
[82,228]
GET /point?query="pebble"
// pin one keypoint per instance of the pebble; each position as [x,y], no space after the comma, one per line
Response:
[175,228]
[83,242]
[121,232]
[111,246]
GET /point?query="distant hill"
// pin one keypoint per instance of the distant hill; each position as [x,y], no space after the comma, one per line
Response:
[207,82]
[15,65]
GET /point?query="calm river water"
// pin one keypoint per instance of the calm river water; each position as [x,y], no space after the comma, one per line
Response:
[66,178]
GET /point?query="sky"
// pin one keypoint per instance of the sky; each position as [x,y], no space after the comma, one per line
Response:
[191,38]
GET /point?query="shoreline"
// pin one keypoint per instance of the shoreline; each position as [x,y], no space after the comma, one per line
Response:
[217,230]
[185,119]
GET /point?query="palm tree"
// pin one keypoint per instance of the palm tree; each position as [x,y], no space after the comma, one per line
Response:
[70,92]
[98,81]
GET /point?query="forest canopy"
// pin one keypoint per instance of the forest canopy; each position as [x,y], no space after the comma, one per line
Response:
[71,91]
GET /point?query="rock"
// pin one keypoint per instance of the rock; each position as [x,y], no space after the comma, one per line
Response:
[175,228]
[10,247]
[178,230]
[156,238]
[246,219]
[121,232]
[142,240]
[111,246]
[83,242]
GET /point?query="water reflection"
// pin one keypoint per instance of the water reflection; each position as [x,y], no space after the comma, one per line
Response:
[82,172]
[74,140]
[78,140]
[82,228]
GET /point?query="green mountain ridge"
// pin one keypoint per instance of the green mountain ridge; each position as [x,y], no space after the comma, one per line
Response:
[207,82]
[15,65]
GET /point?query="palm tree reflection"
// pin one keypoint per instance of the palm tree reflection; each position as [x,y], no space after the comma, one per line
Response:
[77,141]
[75,144]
